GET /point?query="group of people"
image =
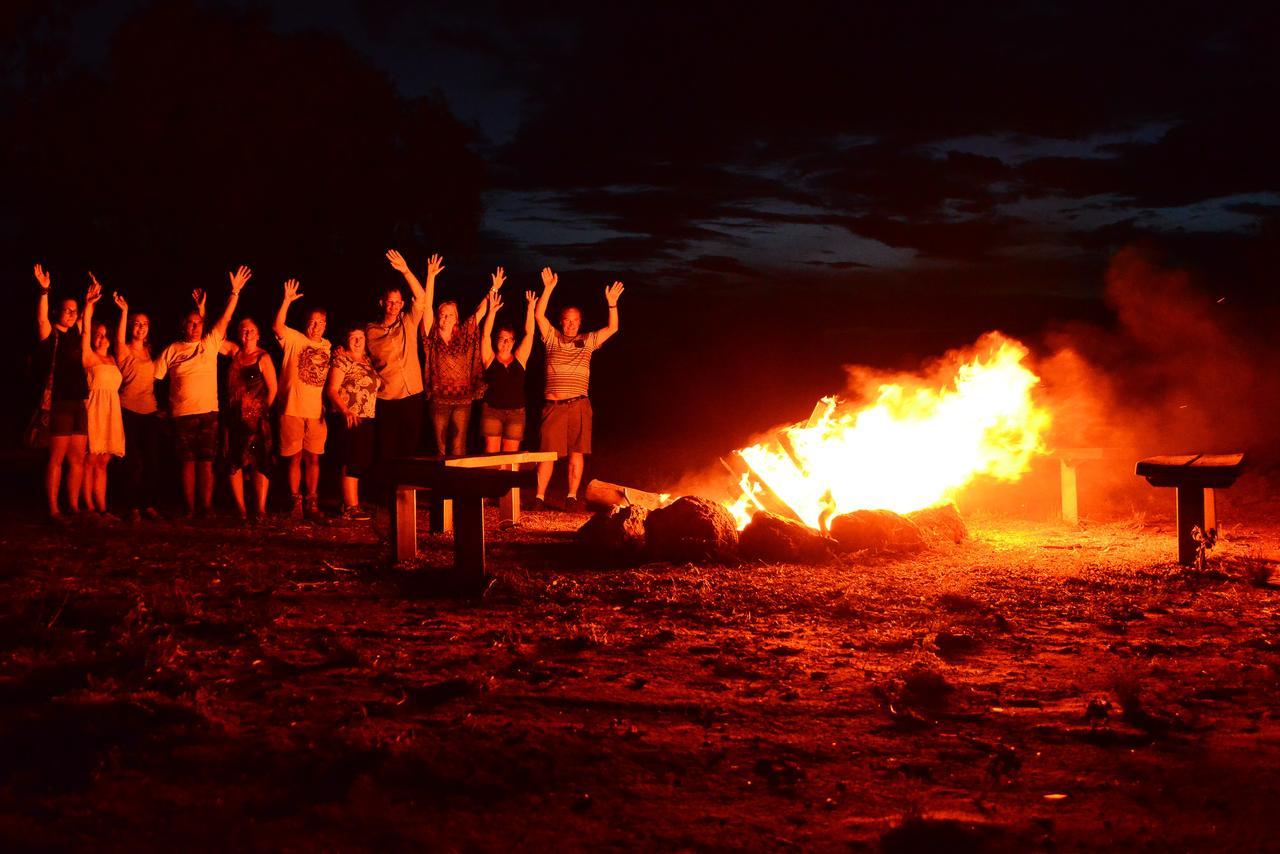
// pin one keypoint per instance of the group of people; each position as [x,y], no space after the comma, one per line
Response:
[99,398]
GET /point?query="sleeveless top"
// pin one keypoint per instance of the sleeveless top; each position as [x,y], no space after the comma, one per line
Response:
[506,384]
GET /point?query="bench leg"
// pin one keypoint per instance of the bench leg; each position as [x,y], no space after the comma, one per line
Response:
[468,539]
[1070,501]
[404,523]
[509,504]
[441,516]
[1191,514]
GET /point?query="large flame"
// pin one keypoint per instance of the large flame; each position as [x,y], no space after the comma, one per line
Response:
[915,445]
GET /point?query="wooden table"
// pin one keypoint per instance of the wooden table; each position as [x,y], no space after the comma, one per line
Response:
[1195,476]
[460,485]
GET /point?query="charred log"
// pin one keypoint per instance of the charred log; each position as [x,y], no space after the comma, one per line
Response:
[941,524]
[876,530]
[691,528]
[774,538]
[616,532]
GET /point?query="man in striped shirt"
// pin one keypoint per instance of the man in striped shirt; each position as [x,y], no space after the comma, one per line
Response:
[566,412]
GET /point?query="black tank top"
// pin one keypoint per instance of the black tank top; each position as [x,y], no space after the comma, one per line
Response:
[506,385]
[62,354]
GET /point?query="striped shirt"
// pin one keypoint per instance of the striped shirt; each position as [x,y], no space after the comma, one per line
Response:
[568,363]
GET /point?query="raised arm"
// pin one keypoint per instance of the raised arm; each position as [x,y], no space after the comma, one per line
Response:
[549,282]
[402,267]
[238,280]
[292,293]
[122,327]
[486,334]
[496,278]
[525,348]
[611,295]
[43,326]
[199,297]
[91,298]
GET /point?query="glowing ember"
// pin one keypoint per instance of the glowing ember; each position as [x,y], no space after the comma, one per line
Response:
[917,444]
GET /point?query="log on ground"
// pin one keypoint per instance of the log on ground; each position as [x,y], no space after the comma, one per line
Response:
[691,528]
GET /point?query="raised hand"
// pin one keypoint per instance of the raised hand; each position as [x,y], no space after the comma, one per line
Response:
[531,297]
[198,297]
[549,279]
[611,294]
[120,301]
[94,293]
[292,291]
[435,266]
[397,261]
[43,277]
[497,278]
[239,279]
[495,302]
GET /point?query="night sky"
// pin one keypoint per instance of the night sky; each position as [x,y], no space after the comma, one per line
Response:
[781,186]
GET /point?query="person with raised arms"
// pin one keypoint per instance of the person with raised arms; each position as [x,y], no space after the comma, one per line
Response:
[502,418]
[393,346]
[566,414]
[105,427]
[453,369]
[302,377]
[139,411]
[62,415]
[191,364]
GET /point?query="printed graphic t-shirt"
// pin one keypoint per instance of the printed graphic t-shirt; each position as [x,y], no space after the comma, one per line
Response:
[303,373]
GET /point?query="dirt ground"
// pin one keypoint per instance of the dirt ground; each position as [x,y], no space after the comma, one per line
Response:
[285,687]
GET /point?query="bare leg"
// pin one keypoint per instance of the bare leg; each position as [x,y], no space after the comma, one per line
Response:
[87,481]
[510,445]
[493,443]
[100,481]
[313,472]
[75,469]
[205,469]
[53,470]
[350,489]
[263,485]
[236,479]
[295,473]
[544,477]
[189,485]
[575,472]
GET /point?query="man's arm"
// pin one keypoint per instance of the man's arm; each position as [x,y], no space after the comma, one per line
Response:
[549,282]
[43,326]
[199,297]
[611,296]
[486,334]
[238,280]
[291,294]
[525,348]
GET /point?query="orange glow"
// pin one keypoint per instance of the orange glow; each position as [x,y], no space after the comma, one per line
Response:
[915,445]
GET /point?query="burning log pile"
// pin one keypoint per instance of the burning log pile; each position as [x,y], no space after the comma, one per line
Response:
[696,529]
[880,476]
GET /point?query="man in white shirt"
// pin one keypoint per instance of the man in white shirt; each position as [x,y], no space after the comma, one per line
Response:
[192,367]
[302,378]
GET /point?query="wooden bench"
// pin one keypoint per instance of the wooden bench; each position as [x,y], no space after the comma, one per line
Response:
[1195,477]
[460,485]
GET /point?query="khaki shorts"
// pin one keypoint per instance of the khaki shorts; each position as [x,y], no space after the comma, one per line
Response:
[302,434]
[566,426]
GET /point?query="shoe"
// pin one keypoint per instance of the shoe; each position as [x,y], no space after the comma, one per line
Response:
[312,510]
[295,512]
[355,513]
[107,518]
[135,516]
[61,520]
[538,505]
[152,514]
[571,505]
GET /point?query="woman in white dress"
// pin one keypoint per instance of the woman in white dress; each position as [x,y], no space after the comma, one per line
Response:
[106,425]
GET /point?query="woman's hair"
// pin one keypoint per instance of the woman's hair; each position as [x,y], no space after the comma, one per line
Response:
[240,324]
[506,327]
[352,327]
[146,341]
[440,307]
